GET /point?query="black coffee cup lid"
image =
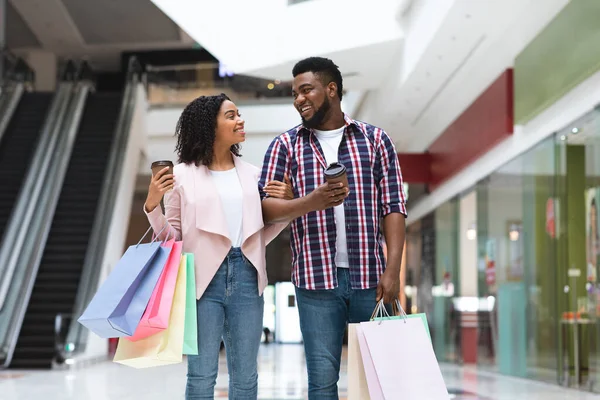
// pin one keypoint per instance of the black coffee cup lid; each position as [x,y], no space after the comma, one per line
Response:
[335,169]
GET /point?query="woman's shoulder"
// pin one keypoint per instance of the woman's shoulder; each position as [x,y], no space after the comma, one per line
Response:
[182,169]
[240,163]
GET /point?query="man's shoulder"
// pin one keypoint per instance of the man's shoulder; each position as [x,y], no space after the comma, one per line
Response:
[369,129]
[292,133]
[288,137]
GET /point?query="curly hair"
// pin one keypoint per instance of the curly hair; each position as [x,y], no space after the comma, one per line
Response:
[324,68]
[196,130]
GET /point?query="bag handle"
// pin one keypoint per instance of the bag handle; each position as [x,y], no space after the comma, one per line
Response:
[398,310]
[381,312]
[153,238]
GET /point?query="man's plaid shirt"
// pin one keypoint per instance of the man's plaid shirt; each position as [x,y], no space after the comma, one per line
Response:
[376,190]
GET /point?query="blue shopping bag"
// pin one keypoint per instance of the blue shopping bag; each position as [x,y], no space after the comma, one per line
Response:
[117,307]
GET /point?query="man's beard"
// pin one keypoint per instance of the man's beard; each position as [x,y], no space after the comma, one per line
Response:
[318,116]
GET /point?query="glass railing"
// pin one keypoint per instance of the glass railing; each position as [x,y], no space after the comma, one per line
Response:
[71,336]
[26,231]
[15,78]
[177,85]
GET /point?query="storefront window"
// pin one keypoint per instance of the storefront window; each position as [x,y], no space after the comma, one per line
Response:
[445,320]
[516,257]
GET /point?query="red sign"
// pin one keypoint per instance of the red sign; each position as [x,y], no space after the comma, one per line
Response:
[490,273]
[550,219]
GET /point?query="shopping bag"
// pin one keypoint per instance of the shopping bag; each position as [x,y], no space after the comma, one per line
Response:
[190,335]
[375,391]
[118,305]
[163,348]
[403,358]
[158,311]
[399,313]
[360,368]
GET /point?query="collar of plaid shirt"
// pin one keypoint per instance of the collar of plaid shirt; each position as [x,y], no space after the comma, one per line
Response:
[376,190]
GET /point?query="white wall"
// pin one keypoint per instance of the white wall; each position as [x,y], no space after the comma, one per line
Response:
[96,346]
[44,65]
[468,247]
[582,99]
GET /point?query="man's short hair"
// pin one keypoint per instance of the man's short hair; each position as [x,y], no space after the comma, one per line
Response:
[324,68]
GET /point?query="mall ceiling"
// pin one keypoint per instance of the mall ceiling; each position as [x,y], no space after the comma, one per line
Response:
[99,30]
[418,63]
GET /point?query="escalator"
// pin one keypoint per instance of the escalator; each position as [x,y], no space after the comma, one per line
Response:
[17,147]
[58,277]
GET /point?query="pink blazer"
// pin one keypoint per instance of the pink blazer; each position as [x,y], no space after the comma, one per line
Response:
[194,214]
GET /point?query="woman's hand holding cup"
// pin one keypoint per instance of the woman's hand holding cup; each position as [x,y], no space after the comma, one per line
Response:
[161,182]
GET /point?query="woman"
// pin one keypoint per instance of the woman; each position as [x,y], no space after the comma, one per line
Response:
[213,205]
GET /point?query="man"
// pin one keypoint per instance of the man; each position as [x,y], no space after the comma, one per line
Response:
[339,268]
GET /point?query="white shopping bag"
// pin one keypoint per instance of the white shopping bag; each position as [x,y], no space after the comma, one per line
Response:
[358,388]
[404,361]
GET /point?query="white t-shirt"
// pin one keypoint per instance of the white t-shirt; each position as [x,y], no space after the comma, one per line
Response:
[230,192]
[330,144]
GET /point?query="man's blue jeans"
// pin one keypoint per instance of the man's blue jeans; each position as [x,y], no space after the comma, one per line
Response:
[324,315]
[230,309]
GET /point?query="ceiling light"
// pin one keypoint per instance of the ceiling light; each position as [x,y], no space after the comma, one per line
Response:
[472,232]
[514,233]
[563,138]
[270,86]
[277,81]
[575,130]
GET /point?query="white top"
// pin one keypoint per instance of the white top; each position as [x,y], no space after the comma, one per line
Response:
[330,144]
[230,192]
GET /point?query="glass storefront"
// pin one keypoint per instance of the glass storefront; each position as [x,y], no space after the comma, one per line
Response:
[516,242]
[578,189]
[444,321]
[537,238]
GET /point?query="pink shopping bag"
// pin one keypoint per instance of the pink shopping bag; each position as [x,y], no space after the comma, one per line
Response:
[157,314]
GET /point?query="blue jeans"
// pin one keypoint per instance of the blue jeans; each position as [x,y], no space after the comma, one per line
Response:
[324,315]
[232,310]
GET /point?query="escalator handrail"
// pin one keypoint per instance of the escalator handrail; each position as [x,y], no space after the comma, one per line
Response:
[10,101]
[76,339]
[15,69]
[27,194]
[28,197]
[16,76]
[40,220]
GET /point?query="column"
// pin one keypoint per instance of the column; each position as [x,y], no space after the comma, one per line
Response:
[468,275]
[575,271]
[45,67]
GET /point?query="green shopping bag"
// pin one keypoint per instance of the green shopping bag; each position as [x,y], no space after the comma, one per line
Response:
[190,333]
[381,314]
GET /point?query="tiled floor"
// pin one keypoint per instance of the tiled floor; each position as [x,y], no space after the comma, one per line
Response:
[282,376]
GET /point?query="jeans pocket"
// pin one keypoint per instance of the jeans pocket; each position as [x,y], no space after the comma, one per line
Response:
[247,278]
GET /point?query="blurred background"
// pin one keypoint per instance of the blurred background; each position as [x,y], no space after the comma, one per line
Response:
[493,106]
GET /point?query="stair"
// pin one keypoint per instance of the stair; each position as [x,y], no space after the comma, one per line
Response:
[60,269]
[17,147]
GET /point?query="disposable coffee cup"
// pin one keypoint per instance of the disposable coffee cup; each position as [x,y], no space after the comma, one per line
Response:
[158,165]
[335,173]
